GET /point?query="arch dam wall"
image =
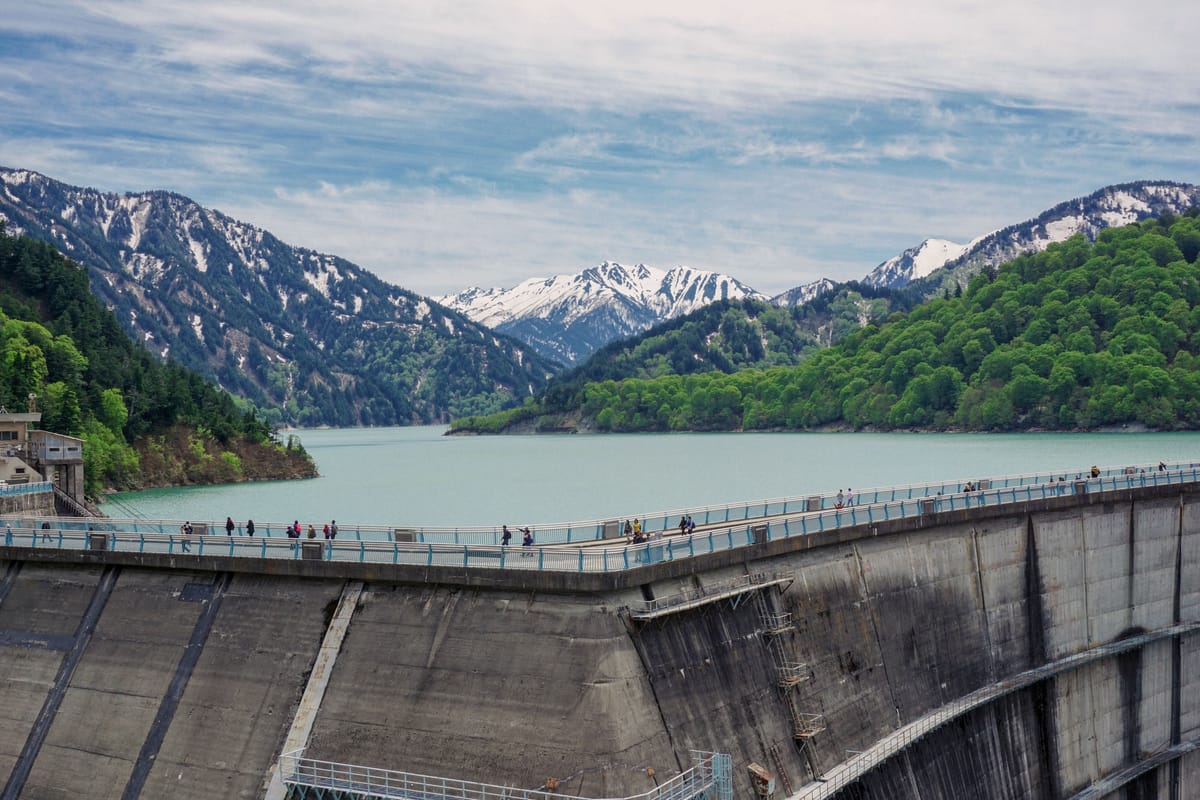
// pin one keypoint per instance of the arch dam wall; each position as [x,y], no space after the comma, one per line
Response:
[1073,622]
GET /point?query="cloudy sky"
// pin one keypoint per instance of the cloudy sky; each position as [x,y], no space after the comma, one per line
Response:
[448,144]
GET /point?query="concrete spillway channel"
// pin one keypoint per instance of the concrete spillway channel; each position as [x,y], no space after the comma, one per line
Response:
[1045,649]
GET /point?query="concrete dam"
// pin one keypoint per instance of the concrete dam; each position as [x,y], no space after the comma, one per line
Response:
[1042,647]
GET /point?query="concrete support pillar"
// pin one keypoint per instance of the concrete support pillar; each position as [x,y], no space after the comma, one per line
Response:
[318,679]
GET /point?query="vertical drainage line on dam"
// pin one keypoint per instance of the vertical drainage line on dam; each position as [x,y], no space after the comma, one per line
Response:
[1131,563]
[866,595]
[1042,692]
[10,578]
[987,629]
[1176,660]
[174,694]
[66,670]
[639,646]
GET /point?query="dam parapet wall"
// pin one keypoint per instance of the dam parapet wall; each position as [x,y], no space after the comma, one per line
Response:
[155,675]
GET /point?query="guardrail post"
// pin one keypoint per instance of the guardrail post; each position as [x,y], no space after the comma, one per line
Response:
[581,559]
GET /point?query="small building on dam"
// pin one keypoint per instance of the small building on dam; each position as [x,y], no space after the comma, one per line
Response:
[1044,646]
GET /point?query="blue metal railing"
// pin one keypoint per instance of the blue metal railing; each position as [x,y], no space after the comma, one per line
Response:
[120,536]
[591,531]
[15,489]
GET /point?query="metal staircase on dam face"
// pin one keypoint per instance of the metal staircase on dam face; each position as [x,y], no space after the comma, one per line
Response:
[791,671]
[709,778]
[774,624]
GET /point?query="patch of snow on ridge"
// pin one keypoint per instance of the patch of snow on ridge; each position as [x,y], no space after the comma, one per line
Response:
[1127,202]
[198,254]
[1060,230]
[197,326]
[139,212]
[915,262]
[317,277]
[933,254]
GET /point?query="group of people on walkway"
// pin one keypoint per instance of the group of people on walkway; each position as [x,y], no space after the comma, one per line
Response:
[330,531]
[506,536]
[844,499]
[294,531]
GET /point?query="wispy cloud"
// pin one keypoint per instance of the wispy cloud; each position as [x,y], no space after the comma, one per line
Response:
[483,142]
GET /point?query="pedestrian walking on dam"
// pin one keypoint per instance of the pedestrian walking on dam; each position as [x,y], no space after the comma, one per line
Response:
[229,526]
[333,529]
[527,539]
[325,530]
[249,527]
[505,536]
[312,532]
[849,497]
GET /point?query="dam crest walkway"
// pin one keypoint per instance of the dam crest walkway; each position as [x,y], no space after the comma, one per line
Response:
[588,547]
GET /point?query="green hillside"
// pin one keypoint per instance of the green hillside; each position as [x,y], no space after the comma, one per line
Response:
[59,344]
[1081,336]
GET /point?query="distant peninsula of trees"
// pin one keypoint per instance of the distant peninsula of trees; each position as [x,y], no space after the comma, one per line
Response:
[143,421]
[1079,337]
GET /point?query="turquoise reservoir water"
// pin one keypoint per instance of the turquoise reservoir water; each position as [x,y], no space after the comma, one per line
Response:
[417,476]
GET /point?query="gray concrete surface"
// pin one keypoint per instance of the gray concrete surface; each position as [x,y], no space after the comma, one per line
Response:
[41,611]
[241,697]
[513,679]
[108,708]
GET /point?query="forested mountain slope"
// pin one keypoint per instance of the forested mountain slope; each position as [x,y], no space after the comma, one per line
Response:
[1081,336]
[730,335]
[308,338]
[60,345]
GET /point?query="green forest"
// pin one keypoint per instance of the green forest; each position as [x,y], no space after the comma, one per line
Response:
[1082,336]
[59,345]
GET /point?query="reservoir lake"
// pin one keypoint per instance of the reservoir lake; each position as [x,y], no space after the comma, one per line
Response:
[415,476]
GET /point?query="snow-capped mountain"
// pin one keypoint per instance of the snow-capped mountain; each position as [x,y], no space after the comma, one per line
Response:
[568,317]
[309,337]
[915,262]
[804,293]
[1109,207]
